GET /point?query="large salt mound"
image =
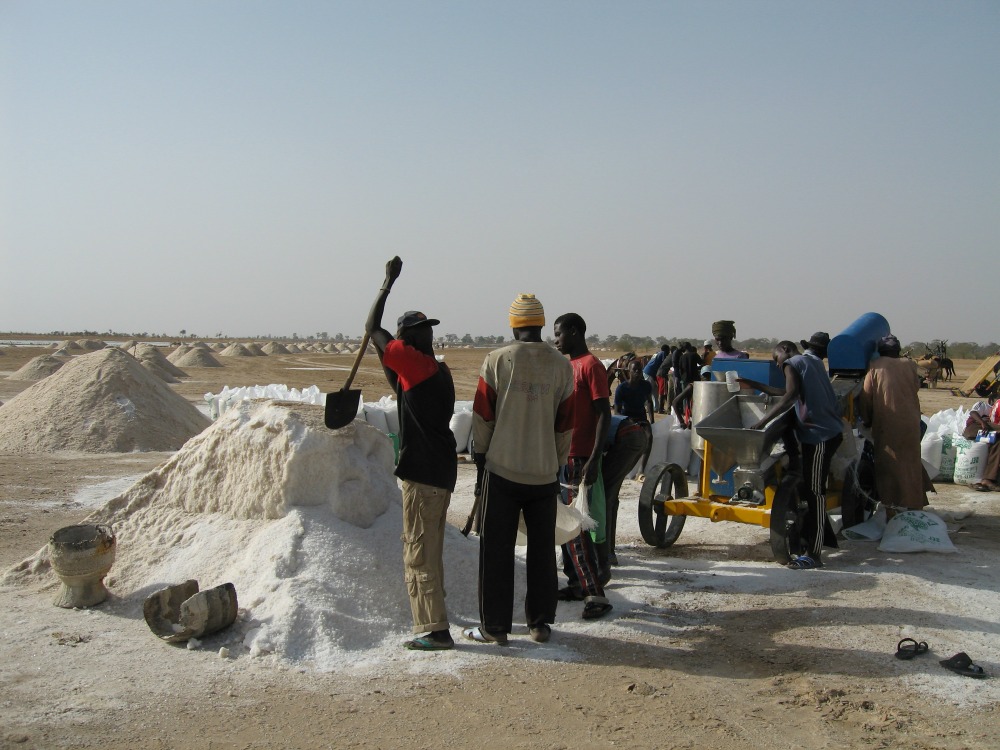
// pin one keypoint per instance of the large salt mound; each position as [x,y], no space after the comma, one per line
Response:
[102,402]
[70,346]
[37,368]
[177,353]
[236,350]
[197,358]
[91,345]
[254,348]
[273,347]
[304,521]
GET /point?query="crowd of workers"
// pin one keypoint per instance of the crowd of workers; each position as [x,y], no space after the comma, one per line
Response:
[546,425]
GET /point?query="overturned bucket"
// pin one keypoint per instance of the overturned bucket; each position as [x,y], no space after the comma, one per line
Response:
[181,612]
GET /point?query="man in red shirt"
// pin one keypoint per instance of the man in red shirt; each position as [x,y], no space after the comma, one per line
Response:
[591,416]
[425,395]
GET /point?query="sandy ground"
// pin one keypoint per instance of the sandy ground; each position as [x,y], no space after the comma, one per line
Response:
[711,644]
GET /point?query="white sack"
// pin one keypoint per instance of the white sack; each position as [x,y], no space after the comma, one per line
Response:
[916,531]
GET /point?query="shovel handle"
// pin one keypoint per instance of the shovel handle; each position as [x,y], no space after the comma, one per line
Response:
[357,361]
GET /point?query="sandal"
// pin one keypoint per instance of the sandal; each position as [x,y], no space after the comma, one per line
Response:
[426,643]
[595,610]
[907,648]
[804,562]
[961,664]
[980,487]
[481,636]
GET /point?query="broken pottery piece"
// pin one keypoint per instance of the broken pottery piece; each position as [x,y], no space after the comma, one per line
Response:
[180,612]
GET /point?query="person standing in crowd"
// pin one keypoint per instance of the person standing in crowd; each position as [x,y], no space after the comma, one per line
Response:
[690,366]
[890,406]
[591,414]
[707,354]
[982,419]
[625,443]
[819,432]
[649,373]
[682,404]
[633,399]
[425,395]
[522,425]
[675,367]
[724,332]
[663,381]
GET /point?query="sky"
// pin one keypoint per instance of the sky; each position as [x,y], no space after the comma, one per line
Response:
[247,168]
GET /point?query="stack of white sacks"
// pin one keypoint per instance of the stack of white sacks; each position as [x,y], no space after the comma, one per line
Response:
[949,457]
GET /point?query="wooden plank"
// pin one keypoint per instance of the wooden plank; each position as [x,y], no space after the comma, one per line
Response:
[985,368]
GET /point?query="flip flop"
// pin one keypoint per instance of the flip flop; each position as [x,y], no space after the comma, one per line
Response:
[804,562]
[980,487]
[596,610]
[961,664]
[907,648]
[481,636]
[426,643]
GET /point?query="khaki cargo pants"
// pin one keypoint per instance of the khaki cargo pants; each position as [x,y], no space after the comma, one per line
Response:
[425,512]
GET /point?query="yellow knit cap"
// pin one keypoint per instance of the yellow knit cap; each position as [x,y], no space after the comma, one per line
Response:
[526,312]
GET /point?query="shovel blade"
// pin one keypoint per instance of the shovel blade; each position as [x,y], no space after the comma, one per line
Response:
[341,408]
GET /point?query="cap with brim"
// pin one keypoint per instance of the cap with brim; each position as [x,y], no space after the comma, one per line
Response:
[414,318]
[709,342]
[706,368]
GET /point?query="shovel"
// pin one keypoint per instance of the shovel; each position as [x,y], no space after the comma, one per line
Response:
[342,406]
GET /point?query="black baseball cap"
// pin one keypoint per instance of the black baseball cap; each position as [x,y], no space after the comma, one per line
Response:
[414,318]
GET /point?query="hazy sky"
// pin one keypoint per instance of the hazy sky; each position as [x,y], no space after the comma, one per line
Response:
[248,167]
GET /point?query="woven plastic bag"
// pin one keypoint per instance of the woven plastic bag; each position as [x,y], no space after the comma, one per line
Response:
[916,531]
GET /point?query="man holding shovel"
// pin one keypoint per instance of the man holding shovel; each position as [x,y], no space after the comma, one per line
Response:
[425,395]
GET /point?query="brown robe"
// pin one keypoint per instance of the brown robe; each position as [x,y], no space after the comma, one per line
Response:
[890,404]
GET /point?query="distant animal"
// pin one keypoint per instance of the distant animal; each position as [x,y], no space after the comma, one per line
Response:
[947,368]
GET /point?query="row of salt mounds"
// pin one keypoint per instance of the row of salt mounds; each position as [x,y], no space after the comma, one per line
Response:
[102,402]
[196,357]
[273,347]
[227,398]
[304,521]
[37,368]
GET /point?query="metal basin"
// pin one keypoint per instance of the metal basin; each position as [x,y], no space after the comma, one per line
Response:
[733,442]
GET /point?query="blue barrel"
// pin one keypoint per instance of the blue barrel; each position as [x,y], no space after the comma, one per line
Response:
[854,347]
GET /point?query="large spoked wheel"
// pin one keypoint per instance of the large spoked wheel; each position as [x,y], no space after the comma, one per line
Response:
[859,496]
[786,518]
[663,482]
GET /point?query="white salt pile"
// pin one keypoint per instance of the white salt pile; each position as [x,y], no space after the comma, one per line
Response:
[153,359]
[102,402]
[37,368]
[273,347]
[254,348]
[177,353]
[91,345]
[196,357]
[221,402]
[70,346]
[303,520]
[236,350]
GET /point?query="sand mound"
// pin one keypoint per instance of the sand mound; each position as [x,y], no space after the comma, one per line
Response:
[273,347]
[38,368]
[294,514]
[155,360]
[102,402]
[197,358]
[236,350]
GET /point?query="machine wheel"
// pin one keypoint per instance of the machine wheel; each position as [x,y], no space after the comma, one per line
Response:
[663,482]
[786,518]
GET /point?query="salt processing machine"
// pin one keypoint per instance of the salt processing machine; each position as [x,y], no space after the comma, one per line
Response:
[741,477]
